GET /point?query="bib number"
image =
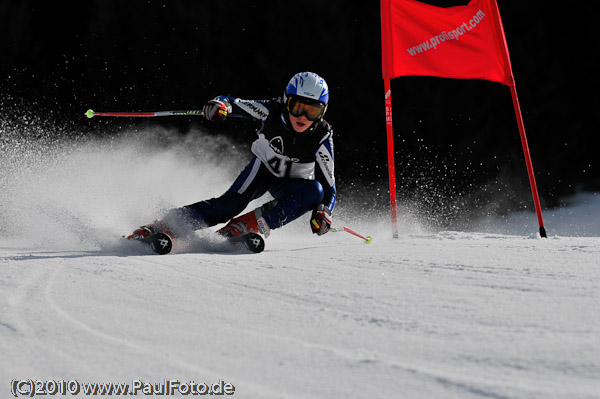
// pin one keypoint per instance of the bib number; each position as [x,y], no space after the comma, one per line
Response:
[280,166]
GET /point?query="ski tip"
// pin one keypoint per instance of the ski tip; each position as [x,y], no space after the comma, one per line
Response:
[369,240]
[89,113]
[160,243]
[251,242]
[255,243]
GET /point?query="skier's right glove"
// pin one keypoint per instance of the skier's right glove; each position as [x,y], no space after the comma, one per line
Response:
[216,110]
[321,220]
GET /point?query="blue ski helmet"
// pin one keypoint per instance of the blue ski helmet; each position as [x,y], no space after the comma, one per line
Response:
[308,86]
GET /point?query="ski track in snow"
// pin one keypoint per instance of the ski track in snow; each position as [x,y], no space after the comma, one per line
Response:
[432,314]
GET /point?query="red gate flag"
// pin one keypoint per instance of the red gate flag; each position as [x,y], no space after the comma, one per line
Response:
[462,42]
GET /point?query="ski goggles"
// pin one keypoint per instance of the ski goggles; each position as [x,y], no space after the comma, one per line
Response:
[312,109]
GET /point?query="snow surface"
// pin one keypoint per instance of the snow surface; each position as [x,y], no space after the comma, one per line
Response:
[496,312]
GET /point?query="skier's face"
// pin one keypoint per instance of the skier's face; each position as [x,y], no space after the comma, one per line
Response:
[300,123]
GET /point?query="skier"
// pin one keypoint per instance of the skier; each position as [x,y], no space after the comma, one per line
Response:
[293,161]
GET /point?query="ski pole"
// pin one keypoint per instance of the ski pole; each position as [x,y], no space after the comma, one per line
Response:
[368,239]
[90,114]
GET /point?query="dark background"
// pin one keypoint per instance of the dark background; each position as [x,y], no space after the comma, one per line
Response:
[457,143]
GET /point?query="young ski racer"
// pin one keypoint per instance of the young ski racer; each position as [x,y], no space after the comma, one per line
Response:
[293,161]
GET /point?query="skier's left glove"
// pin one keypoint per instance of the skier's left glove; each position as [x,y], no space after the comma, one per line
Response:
[321,220]
[216,110]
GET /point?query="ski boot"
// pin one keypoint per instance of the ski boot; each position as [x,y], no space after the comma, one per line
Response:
[244,224]
[148,230]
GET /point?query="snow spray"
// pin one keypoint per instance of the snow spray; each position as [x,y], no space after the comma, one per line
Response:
[62,189]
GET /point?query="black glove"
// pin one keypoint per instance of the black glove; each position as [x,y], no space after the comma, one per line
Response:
[216,110]
[321,220]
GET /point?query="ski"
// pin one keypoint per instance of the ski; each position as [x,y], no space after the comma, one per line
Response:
[251,242]
[160,243]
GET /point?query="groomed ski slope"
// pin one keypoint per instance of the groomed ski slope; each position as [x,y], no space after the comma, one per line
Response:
[452,315]
[431,314]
